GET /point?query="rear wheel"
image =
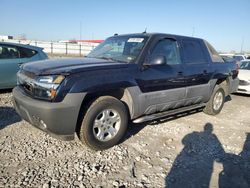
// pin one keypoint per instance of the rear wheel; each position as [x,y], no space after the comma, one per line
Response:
[104,124]
[216,102]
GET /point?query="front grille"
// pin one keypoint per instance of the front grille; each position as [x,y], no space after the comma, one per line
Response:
[244,83]
[242,90]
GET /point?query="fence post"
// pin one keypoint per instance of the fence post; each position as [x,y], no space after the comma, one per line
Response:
[80,48]
[66,48]
[51,51]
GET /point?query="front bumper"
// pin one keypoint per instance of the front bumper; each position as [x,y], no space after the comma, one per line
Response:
[57,119]
[243,89]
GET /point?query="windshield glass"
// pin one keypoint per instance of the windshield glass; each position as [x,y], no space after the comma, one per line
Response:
[245,65]
[120,48]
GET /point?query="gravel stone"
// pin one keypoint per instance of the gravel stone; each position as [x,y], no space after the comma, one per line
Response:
[172,151]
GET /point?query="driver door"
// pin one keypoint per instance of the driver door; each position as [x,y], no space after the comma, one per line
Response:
[163,86]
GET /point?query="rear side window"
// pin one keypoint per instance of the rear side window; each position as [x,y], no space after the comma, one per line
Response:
[213,53]
[193,52]
[26,53]
[169,49]
[8,52]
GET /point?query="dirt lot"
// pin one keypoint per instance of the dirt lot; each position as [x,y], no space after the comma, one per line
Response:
[189,150]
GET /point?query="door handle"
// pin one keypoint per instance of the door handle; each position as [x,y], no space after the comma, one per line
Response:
[180,73]
[204,71]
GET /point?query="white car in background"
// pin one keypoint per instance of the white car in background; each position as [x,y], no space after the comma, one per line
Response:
[244,77]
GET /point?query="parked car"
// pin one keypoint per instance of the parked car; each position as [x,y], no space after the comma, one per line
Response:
[136,77]
[244,77]
[239,57]
[12,56]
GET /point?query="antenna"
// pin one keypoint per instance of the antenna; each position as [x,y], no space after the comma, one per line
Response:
[145,31]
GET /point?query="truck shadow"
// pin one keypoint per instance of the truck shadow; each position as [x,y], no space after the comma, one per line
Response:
[8,116]
[193,166]
[228,98]
[2,91]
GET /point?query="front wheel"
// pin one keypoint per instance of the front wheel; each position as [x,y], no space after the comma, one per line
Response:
[216,102]
[104,123]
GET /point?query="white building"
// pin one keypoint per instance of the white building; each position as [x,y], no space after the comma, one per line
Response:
[5,37]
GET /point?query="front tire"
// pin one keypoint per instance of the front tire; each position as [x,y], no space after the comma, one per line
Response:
[104,123]
[216,101]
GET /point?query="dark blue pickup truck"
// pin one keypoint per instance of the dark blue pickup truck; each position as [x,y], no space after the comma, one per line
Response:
[135,77]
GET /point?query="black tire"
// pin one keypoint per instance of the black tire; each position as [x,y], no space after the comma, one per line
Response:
[210,108]
[86,131]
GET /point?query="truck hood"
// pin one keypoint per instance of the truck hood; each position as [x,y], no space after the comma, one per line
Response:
[69,65]
[244,74]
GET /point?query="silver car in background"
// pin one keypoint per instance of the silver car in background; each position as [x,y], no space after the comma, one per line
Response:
[244,77]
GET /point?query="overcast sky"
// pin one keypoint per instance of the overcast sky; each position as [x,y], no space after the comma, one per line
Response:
[224,23]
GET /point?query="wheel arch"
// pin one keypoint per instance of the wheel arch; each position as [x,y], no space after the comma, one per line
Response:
[224,83]
[121,94]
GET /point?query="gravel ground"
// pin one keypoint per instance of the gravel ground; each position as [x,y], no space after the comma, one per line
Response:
[189,150]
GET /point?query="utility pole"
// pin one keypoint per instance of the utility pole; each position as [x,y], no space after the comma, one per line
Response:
[80,30]
[242,43]
[193,31]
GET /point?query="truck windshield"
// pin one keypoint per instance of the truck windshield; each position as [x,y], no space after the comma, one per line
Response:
[245,65]
[119,48]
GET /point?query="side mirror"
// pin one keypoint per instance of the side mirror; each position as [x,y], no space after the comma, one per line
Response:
[157,60]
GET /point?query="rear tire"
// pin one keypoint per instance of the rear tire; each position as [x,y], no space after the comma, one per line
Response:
[104,123]
[216,101]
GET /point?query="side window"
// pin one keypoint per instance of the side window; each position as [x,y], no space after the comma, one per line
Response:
[8,52]
[213,53]
[26,53]
[169,49]
[193,52]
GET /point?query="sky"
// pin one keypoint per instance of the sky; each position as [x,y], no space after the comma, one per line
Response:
[224,23]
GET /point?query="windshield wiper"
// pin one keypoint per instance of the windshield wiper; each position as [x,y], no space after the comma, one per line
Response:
[111,59]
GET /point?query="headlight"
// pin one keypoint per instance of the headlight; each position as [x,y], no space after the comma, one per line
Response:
[45,87]
[55,79]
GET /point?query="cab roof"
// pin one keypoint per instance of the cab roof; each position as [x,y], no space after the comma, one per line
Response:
[155,35]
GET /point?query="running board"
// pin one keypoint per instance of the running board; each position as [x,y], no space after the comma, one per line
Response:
[167,113]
